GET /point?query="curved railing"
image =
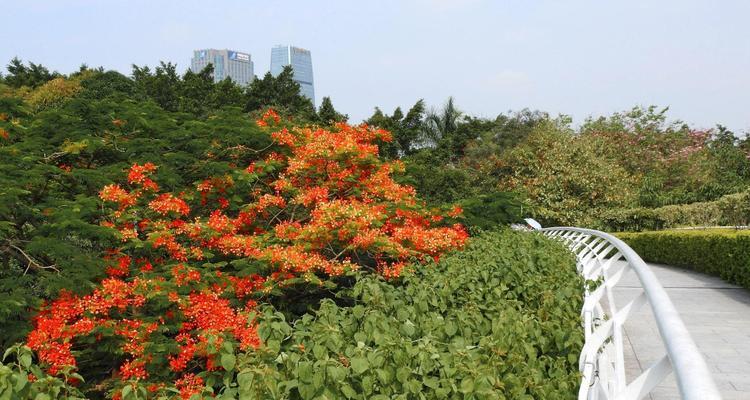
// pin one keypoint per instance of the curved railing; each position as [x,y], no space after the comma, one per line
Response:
[605,258]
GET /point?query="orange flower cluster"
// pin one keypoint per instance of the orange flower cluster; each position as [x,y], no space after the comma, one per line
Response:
[168,202]
[319,204]
[270,116]
[138,175]
[189,385]
[117,194]
[211,314]
[70,316]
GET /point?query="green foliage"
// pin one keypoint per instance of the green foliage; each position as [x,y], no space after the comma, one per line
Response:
[196,91]
[163,85]
[497,321]
[488,211]
[21,379]
[631,219]
[435,180]
[718,252]
[729,210]
[98,84]
[193,93]
[453,158]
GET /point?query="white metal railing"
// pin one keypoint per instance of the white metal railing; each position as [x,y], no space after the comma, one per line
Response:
[602,361]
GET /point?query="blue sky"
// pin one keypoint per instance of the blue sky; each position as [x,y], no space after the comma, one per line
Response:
[578,58]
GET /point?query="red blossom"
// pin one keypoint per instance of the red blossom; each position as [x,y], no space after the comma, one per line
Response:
[115,193]
[189,385]
[167,202]
[138,174]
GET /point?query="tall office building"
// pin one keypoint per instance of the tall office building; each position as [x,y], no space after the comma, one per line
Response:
[227,64]
[301,62]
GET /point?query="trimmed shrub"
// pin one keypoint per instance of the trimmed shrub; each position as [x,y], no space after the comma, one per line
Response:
[633,219]
[499,320]
[719,252]
[733,209]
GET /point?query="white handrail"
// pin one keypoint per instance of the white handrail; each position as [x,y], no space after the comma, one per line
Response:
[602,358]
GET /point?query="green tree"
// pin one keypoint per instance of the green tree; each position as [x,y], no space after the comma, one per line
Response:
[227,94]
[730,162]
[163,85]
[280,92]
[406,129]
[440,124]
[99,84]
[196,91]
[32,75]
[327,114]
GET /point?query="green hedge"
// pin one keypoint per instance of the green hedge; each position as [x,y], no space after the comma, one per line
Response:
[733,209]
[497,321]
[721,252]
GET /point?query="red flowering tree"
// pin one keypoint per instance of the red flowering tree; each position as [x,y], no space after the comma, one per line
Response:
[181,291]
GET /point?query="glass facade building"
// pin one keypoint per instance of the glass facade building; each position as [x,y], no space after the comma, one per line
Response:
[227,64]
[301,62]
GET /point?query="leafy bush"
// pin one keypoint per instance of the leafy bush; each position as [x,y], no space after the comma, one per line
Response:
[498,320]
[733,209]
[489,211]
[719,252]
[21,379]
[631,219]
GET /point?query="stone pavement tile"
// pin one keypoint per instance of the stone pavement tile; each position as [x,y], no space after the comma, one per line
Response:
[733,337]
[724,383]
[735,395]
[716,313]
[665,393]
[741,383]
[719,353]
[734,365]
[710,343]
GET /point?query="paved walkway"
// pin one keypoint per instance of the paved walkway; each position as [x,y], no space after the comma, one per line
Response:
[716,313]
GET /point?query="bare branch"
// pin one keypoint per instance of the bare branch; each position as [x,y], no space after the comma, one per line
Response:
[32,262]
[54,155]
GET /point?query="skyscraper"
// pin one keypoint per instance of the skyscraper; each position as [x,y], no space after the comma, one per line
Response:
[301,62]
[227,64]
